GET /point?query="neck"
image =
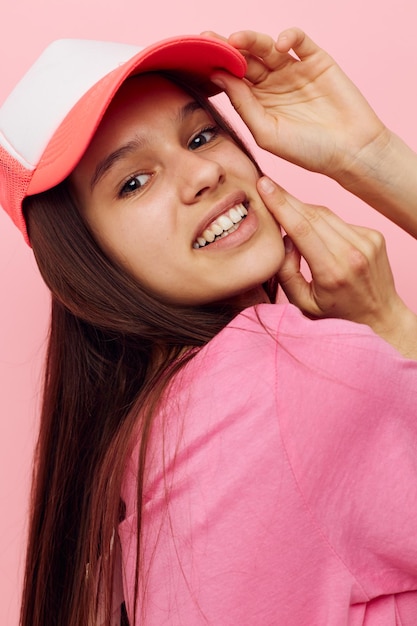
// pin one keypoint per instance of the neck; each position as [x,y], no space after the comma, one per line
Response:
[257,295]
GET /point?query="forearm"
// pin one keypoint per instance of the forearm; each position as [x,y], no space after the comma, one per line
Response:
[384,175]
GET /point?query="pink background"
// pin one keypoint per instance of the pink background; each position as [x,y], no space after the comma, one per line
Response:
[373,40]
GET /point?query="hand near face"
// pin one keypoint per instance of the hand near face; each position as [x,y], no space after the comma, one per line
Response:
[351,275]
[300,105]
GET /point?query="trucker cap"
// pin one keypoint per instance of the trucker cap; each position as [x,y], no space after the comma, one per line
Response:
[50,117]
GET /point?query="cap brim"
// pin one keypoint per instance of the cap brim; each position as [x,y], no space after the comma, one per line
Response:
[194,57]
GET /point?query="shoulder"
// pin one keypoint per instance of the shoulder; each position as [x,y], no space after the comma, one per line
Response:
[342,349]
[275,344]
[310,340]
[288,320]
[264,322]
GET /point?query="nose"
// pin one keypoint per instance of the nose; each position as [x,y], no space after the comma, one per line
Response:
[197,175]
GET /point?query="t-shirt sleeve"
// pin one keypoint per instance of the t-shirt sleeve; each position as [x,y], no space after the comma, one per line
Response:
[347,406]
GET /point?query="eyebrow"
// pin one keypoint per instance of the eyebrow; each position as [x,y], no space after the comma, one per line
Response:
[132,146]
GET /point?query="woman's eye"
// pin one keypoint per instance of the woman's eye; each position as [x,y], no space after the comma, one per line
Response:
[203,137]
[134,183]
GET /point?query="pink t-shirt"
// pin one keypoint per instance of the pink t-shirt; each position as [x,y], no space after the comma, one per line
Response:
[281,486]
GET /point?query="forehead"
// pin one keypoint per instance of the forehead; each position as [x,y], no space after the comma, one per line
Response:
[145,106]
[146,95]
[143,103]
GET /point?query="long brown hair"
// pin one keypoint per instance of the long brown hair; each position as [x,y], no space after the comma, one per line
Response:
[113,348]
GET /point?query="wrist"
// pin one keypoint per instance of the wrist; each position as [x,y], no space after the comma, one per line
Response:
[399,329]
[383,175]
[369,164]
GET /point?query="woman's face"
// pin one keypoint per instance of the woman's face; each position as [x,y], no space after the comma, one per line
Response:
[160,184]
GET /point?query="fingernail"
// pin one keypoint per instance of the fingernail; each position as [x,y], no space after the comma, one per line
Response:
[218,81]
[288,245]
[266,185]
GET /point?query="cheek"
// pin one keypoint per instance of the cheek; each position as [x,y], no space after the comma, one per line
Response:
[235,160]
[142,248]
[235,155]
[124,229]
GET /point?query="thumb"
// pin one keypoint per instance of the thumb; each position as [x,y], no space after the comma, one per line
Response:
[293,283]
[243,100]
[291,265]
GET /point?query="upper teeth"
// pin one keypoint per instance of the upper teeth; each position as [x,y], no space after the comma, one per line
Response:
[222,226]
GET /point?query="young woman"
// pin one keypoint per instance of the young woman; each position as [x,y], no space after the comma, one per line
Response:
[205,456]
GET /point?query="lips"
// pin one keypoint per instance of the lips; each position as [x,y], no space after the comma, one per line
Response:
[223,225]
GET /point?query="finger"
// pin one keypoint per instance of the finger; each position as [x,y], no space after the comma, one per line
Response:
[213,35]
[256,69]
[345,281]
[256,59]
[311,234]
[374,236]
[330,256]
[296,39]
[337,265]
[261,53]
[256,44]
[291,263]
[309,225]
[293,283]
[368,241]
[247,106]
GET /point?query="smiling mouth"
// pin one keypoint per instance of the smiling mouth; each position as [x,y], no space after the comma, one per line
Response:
[222,226]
